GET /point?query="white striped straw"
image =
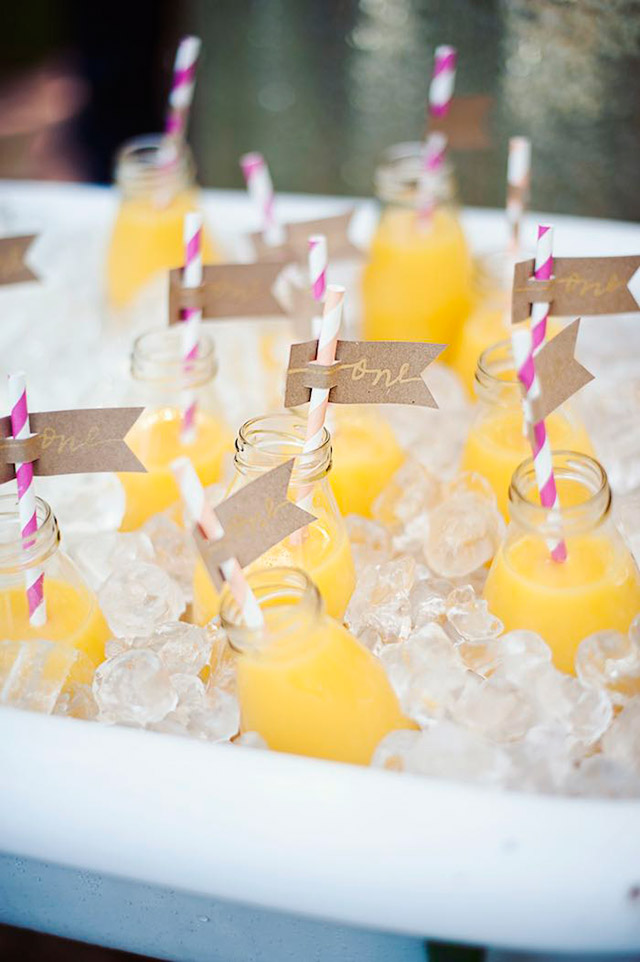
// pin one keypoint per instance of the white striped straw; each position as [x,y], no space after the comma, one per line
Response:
[182,86]
[433,158]
[543,271]
[202,514]
[260,188]
[443,80]
[191,318]
[518,178]
[318,258]
[34,577]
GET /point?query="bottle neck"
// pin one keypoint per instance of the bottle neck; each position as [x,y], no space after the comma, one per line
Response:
[265,442]
[580,478]
[291,606]
[154,169]
[398,179]
[157,360]
[18,554]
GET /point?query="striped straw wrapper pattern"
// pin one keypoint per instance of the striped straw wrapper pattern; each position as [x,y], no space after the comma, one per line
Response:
[443,81]
[518,178]
[190,318]
[34,577]
[543,271]
[433,158]
[260,187]
[318,266]
[182,86]
[201,513]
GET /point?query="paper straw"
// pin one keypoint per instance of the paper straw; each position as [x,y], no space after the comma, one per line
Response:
[433,157]
[34,577]
[543,271]
[182,86]
[260,187]
[190,318]
[443,81]
[518,177]
[317,276]
[523,340]
[319,400]
[202,514]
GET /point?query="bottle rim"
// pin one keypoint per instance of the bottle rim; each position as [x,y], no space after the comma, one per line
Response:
[268,440]
[398,173]
[18,553]
[153,162]
[157,358]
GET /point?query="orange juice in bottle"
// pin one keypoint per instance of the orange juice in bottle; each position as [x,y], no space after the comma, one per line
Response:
[322,550]
[161,382]
[416,285]
[304,683]
[596,588]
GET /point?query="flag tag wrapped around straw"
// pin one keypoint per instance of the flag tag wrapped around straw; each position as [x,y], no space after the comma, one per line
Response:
[580,285]
[364,372]
[13,251]
[254,519]
[71,442]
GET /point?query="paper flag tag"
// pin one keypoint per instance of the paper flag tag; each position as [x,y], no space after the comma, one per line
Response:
[13,269]
[580,285]
[254,519]
[228,290]
[295,247]
[559,373]
[465,123]
[365,372]
[72,442]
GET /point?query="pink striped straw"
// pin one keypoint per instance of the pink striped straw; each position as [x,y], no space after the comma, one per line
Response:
[201,513]
[443,81]
[260,187]
[523,340]
[518,177]
[34,577]
[317,275]
[182,86]
[325,354]
[433,157]
[191,318]
[543,271]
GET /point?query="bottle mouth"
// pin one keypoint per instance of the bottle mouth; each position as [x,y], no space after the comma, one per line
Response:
[495,375]
[18,553]
[398,175]
[577,475]
[158,357]
[151,163]
[267,441]
[289,601]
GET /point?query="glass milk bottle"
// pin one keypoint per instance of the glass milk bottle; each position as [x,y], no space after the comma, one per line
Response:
[596,588]
[304,683]
[496,443]
[416,285]
[165,386]
[155,179]
[322,549]
[73,616]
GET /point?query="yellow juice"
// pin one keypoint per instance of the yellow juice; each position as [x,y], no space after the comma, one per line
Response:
[148,240]
[597,587]
[312,689]
[366,455]
[73,618]
[484,326]
[416,286]
[496,445]
[155,439]
[322,551]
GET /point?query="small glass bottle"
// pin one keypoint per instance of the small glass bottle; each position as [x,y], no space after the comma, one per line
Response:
[304,682]
[322,549]
[73,616]
[416,285]
[157,188]
[596,588]
[496,443]
[164,386]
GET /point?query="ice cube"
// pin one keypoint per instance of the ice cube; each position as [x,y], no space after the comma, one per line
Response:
[562,702]
[139,598]
[379,612]
[494,707]
[35,674]
[445,750]
[77,702]
[464,534]
[183,648]
[542,761]
[471,617]
[412,491]
[174,550]
[219,720]
[428,600]
[370,541]
[516,655]
[622,741]
[99,555]
[134,688]
[610,661]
